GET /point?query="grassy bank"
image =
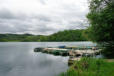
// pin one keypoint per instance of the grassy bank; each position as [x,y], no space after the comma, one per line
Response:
[90,67]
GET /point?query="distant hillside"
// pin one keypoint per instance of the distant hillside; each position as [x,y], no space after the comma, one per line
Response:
[67,35]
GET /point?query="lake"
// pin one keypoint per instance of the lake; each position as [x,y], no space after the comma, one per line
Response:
[19,59]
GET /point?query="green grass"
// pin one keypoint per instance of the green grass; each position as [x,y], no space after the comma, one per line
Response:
[90,67]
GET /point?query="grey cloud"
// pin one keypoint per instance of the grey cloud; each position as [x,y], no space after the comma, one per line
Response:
[6,14]
[17,25]
[42,18]
[47,21]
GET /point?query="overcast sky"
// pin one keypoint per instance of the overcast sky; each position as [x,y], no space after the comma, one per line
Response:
[42,16]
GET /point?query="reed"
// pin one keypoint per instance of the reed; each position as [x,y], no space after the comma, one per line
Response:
[90,67]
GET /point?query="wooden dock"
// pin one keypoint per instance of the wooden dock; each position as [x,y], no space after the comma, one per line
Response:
[70,51]
[74,53]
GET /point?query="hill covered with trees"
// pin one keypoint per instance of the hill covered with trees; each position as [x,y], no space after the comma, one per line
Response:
[66,35]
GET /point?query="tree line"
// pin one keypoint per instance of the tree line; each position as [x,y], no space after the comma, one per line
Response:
[66,35]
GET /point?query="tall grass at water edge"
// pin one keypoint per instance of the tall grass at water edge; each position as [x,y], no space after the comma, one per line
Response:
[90,67]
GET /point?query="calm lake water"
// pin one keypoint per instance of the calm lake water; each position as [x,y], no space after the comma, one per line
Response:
[19,59]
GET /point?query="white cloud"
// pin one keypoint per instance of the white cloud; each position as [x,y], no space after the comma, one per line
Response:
[41,16]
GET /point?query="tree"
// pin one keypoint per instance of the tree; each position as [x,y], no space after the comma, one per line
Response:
[101,18]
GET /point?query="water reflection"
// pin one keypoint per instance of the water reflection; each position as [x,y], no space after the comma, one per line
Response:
[18,59]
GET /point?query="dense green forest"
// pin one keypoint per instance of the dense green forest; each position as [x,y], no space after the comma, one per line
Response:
[101,30]
[66,35]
